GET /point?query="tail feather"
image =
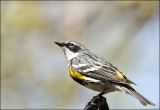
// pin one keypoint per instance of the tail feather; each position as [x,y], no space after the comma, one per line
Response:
[135,94]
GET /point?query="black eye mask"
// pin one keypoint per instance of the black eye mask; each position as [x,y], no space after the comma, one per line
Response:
[72,47]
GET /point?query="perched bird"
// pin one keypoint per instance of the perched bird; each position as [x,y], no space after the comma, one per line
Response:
[96,73]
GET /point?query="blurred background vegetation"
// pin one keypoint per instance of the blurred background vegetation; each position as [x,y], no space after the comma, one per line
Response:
[34,70]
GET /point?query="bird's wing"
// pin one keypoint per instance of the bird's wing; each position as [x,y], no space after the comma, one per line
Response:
[100,70]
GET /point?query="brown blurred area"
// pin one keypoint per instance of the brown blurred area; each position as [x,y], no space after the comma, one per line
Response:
[34,70]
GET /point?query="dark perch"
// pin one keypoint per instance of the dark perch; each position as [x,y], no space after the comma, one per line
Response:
[97,103]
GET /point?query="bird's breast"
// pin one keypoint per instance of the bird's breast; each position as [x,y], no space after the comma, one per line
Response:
[75,74]
[78,77]
[86,81]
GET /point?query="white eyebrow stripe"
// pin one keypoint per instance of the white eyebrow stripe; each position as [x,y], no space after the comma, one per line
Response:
[73,43]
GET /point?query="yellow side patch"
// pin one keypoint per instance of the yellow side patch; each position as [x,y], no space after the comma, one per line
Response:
[119,74]
[75,74]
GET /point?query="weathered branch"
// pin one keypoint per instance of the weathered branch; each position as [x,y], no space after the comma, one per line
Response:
[97,103]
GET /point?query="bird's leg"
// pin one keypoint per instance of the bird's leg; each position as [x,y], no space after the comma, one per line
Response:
[96,102]
[102,92]
[99,95]
[96,97]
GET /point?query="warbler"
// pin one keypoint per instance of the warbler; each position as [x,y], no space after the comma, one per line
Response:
[96,73]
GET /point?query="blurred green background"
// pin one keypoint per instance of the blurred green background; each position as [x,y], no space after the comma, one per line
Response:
[34,71]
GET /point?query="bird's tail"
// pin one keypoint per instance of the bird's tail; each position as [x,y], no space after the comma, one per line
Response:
[128,89]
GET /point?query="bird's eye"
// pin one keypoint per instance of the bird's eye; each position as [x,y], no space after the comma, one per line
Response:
[71,45]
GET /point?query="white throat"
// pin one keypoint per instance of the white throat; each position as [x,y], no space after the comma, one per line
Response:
[69,54]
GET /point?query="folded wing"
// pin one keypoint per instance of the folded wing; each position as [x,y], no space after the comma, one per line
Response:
[99,69]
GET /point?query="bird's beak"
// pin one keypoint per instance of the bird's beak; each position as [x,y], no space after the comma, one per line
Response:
[60,44]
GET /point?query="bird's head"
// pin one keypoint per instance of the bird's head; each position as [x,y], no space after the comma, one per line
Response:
[72,49]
